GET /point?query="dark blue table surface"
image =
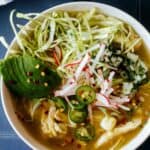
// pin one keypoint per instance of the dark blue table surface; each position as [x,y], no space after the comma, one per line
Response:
[137,8]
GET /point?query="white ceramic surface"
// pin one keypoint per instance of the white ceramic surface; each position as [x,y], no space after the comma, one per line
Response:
[109,10]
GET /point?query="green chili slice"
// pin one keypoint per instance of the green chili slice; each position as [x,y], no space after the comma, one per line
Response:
[60,103]
[85,133]
[78,116]
[77,104]
[85,94]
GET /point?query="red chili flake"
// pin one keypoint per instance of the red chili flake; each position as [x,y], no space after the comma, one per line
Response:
[20,116]
[58,121]
[56,58]
[71,82]
[42,105]
[79,146]
[37,82]
[29,73]
[12,82]
[68,140]
[72,140]
[46,112]
[91,75]
[122,120]
[85,68]
[88,119]
[107,80]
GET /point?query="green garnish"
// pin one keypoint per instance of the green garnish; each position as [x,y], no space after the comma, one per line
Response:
[85,133]
[78,116]
[21,75]
[60,103]
[85,94]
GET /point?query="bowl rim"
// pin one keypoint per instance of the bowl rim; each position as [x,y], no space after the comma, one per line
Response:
[132,143]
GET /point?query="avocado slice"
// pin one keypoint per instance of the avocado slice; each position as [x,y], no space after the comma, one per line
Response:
[28,76]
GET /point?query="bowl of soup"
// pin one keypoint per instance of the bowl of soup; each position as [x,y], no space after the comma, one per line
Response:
[76,76]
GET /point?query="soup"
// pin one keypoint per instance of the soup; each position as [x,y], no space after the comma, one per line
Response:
[79,79]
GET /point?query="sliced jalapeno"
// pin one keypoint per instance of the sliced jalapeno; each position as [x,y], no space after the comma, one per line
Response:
[60,103]
[85,133]
[85,94]
[77,104]
[78,116]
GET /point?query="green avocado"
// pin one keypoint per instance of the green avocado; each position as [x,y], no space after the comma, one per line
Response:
[28,76]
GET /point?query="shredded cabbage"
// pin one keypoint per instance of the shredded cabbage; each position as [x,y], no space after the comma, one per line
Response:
[75,33]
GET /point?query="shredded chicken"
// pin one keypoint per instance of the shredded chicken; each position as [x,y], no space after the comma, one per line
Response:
[52,124]
[107,136]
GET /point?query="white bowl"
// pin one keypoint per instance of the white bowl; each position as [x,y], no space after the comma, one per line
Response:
[7,100]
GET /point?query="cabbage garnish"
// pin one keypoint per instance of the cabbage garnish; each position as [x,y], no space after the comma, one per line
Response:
[14,30]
